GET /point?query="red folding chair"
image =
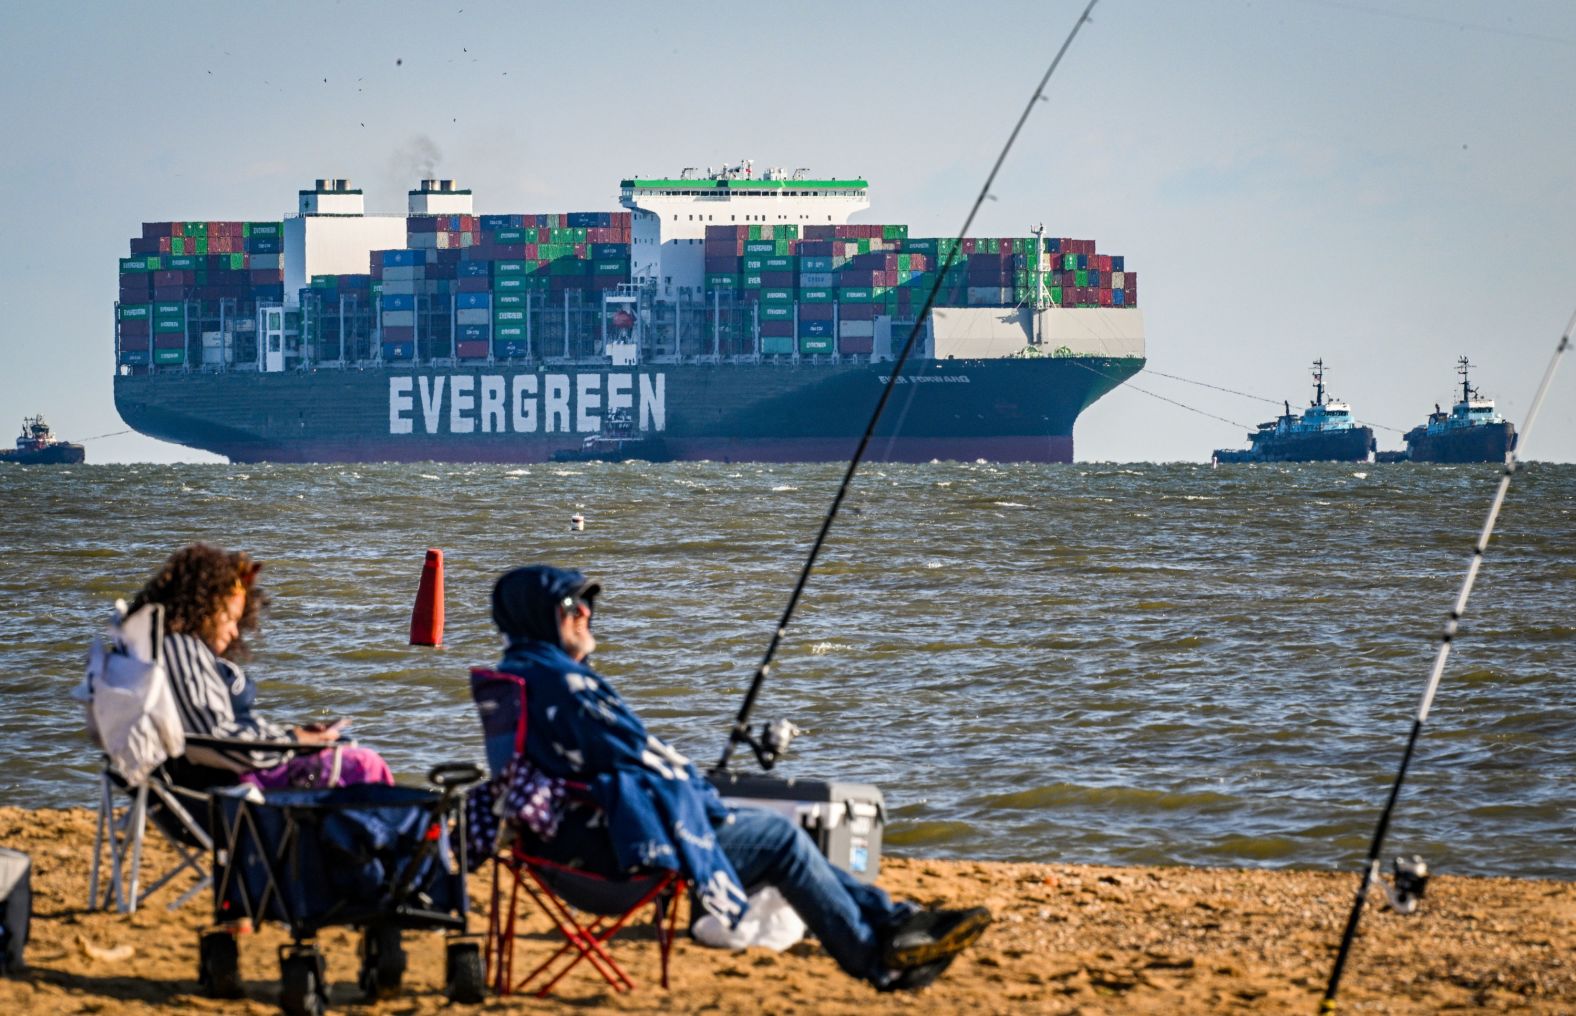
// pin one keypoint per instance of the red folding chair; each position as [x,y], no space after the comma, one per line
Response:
[587,907]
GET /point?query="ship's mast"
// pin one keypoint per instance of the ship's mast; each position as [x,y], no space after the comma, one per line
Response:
[1466,386]
[1039,282]
[1318,381]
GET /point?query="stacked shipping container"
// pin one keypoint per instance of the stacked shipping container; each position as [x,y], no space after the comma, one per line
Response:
[188,286]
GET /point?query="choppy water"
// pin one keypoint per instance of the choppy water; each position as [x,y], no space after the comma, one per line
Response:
[1147,664]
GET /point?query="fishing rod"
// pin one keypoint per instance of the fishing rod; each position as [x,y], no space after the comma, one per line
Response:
[1446,638]
[773,740]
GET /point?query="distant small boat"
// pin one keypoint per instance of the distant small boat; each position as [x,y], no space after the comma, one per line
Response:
[1471,432]
[1324,432]
[617,441]
[38,446]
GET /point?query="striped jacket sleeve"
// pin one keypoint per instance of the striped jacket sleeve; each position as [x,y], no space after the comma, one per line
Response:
[203,699]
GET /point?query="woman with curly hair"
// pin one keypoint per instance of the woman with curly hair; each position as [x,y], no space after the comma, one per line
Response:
[211,601]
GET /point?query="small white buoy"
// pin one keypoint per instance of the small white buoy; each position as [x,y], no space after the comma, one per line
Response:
[577,522]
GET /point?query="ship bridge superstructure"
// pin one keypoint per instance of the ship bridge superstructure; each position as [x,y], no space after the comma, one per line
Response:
[670,216]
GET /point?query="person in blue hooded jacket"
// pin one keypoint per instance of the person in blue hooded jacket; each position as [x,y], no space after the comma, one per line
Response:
[661,813]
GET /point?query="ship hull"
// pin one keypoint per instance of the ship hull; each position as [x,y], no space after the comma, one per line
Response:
[1352,445]
[1010,409]
[1485,443]
[60,454]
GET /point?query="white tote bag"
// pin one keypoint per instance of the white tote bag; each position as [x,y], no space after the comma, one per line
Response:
[131,710]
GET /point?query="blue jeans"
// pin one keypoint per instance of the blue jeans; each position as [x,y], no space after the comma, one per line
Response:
[844,913]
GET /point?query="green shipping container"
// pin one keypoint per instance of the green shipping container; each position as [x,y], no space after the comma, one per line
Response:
[135,311]
[188,263]
[507,283]
[169,356]
[817,295]
[168,325]
[776,312]
[816,344]
[723,281]
[129,265]
[508,299]
[177,245]
[194,228]
[1056,295]
[1069,262]
[777,296]
[1081,278]
[752,280]
[753,264]
[619,267]
[511,235]
[274,229]
[199,245]
[508,331]
[777,345]
[508,268]
[781,264]
[857,295]
[513,314]
[760,247]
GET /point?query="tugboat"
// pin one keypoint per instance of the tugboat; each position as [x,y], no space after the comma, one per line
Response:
[617,441]
[1471,432]
[37,446]
[1325,432]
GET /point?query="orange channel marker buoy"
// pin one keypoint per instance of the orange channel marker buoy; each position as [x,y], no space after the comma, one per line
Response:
[426,619]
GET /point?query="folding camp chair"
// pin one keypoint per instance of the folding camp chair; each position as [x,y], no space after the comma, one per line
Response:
[588,906]
[175,798]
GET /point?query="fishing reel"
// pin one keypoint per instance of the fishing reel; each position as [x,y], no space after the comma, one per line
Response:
[1409,877]
[772,742]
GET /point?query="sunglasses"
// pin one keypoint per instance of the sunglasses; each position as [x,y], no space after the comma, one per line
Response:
[574,603]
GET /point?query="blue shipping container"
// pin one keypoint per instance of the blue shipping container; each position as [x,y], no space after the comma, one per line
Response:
[398,301]
[472,333]
[609,251]
[401,258]
[1119,297]
[589,220]
[471,301]
[134,357]
[262,245]
[506,349]
[1118,263]
[399,350]
[815,329]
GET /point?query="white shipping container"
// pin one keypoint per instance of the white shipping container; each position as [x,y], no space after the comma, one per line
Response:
[264,262]
[398,318]
[856,329]
[212,339]
[472,316]
[989,296]
[817,280]
[1118,280]
[403,273]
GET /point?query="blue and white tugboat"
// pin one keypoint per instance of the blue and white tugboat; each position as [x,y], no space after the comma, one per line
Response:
[1324,432]
[1471,432]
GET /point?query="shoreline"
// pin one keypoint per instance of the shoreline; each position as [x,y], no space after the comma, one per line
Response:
[1067,938]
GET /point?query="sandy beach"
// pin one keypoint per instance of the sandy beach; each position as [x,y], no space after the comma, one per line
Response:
[1067,939]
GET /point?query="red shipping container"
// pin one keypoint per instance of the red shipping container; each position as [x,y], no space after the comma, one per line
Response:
[777,280]
[169,293]
[134,329]
[855,344]
[815,311]
[475,350]
[856,311]
[177,229]
[777,329]
[1105,297]
[473,284]
[267,276]
[169,340]
[399,333]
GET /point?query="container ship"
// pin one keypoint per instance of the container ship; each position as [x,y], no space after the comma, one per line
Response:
[724,316]
[1471,432]
[1324,432]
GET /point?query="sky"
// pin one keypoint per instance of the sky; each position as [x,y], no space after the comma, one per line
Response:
[1386,184]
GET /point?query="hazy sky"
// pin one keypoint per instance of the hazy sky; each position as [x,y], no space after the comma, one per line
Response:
[1385,183]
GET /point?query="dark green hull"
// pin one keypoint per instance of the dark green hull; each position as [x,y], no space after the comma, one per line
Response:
[1016,409]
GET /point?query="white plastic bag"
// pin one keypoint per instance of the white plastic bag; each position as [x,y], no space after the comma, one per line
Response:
[131,709]
[768,921]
